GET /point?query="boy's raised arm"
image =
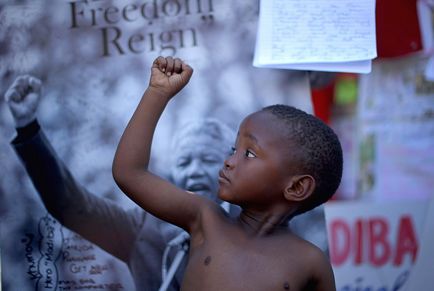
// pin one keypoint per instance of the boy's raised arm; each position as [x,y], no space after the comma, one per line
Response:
[130,165]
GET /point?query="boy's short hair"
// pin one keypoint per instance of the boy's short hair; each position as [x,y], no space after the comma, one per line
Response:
[320,154]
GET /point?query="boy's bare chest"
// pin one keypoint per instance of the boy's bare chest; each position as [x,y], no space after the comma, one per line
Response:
[234,263]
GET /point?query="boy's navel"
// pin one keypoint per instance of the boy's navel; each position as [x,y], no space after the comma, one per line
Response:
[286,286]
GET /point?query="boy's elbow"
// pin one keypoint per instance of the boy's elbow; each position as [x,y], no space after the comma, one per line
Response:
[119,175]
[124,175]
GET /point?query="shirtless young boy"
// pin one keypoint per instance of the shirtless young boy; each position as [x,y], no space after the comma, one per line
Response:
[285,162]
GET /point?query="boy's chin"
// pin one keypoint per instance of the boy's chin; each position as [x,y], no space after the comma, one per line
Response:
[222,197]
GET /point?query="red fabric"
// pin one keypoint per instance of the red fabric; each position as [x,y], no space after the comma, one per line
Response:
[398,31]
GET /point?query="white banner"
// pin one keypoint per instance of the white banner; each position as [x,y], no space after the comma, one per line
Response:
[374,246]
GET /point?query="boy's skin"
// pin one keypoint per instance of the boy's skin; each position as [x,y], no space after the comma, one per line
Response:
[254,251]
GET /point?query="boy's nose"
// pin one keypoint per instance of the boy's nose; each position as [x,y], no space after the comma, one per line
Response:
[229,163]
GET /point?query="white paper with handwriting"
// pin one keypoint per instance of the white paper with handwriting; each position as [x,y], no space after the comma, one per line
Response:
[322,35]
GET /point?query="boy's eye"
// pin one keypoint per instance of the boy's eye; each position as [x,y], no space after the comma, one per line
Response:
[249,154]
[233,151]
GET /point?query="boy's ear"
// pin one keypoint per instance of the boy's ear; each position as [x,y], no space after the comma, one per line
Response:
[299,188]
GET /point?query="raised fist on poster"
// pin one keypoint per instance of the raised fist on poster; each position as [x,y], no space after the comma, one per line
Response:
[169,75]
[23,98]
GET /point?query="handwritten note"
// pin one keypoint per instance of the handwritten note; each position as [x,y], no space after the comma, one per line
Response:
[325,35]
[59,259]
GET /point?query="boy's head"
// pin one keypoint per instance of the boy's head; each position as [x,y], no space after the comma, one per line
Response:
[282,154]
[198,150]
[318,152]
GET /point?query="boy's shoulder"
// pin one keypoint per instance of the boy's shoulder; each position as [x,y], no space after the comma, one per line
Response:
[308,252]
[305,258]
[317,264]
[303,262]
[299,261]
[292,245]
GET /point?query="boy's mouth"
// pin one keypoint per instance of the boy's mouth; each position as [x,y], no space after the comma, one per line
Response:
[223,178]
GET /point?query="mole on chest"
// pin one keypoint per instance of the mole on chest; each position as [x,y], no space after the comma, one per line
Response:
[207,261]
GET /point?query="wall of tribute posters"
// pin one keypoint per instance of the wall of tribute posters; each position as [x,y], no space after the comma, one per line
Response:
[395,129]
[93,58]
